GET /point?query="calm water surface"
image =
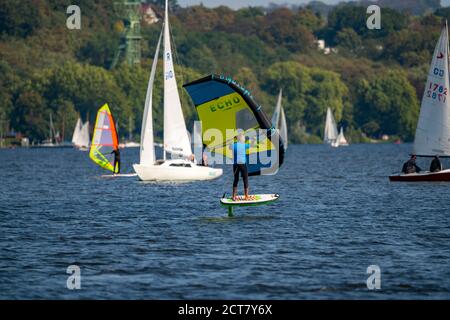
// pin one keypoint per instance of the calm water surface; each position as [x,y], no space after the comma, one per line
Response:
[338,214]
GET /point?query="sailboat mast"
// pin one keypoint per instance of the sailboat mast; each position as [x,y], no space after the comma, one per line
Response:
[129,128]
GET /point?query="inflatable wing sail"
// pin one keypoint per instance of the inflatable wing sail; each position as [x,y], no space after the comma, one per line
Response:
[104,140]
[224,107]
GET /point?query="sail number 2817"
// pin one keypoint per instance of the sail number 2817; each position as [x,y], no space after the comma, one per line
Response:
[437,91]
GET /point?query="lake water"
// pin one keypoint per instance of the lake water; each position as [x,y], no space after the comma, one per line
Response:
[337,214]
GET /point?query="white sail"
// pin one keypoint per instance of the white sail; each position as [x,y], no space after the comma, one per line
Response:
[176,139]
[197,140]
[283,129]
[147,155]
[77,132]
[277,112]
[84,135]
[341,141]
[279,120]
[433,129]
[331,133]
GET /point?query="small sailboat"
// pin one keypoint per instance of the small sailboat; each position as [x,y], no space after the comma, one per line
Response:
[84,137]
[279,121]
[53,136]
[341,141]
[331,133]
[80,138]
[432,136]
[176,139]
[104,140]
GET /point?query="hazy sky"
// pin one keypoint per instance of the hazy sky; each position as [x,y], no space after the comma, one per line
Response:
[245,3]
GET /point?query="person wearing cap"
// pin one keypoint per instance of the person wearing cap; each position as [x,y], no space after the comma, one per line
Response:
[436,164]
[410,166]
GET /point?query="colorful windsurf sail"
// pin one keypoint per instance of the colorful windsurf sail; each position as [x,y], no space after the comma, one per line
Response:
[225,107]
[104,140]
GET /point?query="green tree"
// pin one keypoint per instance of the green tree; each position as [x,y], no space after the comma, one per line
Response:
[387,105]
[308,92]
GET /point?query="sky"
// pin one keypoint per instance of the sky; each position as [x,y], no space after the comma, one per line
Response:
[245,3]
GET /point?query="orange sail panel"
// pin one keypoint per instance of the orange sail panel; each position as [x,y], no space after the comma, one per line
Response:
[104,140]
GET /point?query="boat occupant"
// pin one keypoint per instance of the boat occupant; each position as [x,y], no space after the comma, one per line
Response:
[436,164]
[410,166]
[204,160]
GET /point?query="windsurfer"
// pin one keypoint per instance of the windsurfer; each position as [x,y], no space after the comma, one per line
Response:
[436,164]
[410,166]
[116,153]
[239,149]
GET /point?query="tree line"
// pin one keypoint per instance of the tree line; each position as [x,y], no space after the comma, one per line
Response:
[373,79]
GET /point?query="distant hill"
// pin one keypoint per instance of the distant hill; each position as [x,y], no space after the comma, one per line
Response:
[414,7]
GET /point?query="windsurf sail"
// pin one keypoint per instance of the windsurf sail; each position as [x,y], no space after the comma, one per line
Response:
[224,107]
[433,129]
[104,140]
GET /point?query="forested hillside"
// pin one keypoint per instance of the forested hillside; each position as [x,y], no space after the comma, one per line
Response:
[373,79]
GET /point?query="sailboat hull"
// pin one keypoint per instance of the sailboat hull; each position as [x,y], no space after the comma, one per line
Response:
[443,175]
[176,170]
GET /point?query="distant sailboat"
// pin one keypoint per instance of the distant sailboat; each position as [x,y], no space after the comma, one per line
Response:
[279,121]
[176,139]
[104,140]
[80,138]
[331,133]
[77,133]
[433,129]
[341,141]
[53,136]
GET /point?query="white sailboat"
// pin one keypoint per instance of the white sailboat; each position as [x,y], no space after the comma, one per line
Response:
[279,121]
[85,138]
[432,136]
[176,139]
[77,133]
[331,133]
[341,141]
[80,138]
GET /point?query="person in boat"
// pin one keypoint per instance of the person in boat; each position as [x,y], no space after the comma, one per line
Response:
[436,164]
[239,149]
[204,160]
[192,158]
[410,166]
[116,153]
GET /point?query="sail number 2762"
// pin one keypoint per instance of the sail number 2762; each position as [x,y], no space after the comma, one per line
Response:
[437,91]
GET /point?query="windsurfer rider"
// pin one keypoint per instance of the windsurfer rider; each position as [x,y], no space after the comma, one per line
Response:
[410,166]
[116,153]
[239,149]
